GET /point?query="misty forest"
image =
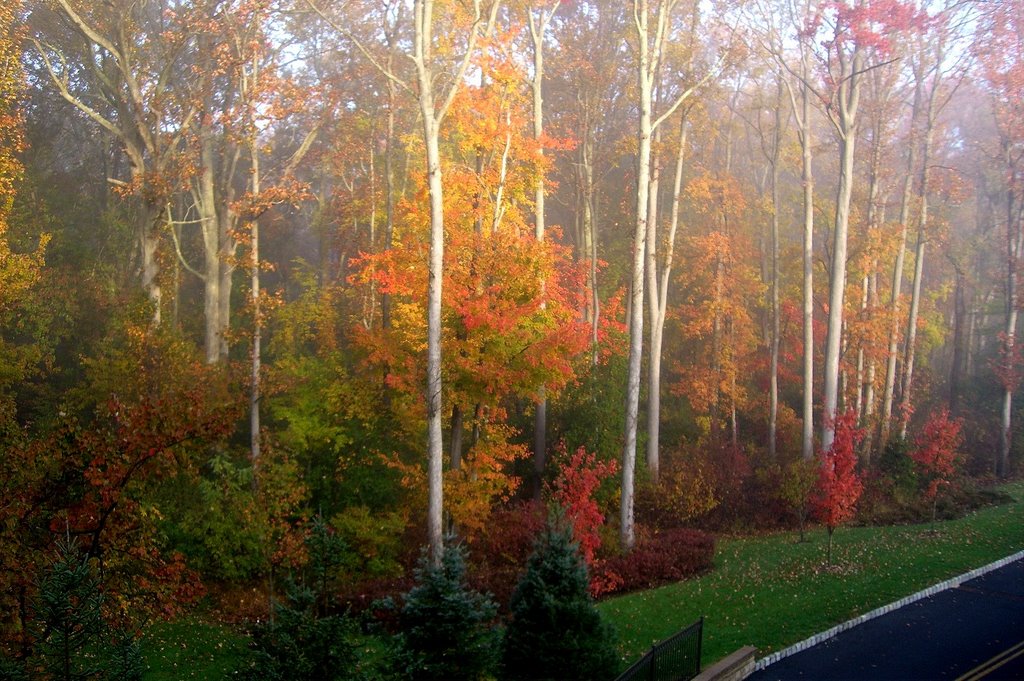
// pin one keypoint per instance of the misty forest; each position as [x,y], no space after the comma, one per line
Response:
[351,333]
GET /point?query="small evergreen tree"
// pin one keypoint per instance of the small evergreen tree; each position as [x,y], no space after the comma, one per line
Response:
[303,642]
[555,631]
[447,629]
[72,640]
[299,645]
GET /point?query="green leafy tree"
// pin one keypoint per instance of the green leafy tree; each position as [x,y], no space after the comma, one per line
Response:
[555,631]
[447,628]
[798,481]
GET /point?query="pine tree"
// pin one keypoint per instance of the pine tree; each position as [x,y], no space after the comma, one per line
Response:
[73,639]
[302,641]
[555,631]
[299,645]
[447,628]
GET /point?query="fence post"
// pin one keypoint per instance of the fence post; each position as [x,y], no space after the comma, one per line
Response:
[700,642]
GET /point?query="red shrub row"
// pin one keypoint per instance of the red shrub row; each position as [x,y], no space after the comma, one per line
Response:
[666,557]
[498,557]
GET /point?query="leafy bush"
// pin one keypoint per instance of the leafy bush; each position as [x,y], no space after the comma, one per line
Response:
[215,520]
[686,489]
[373,540]
[666,557]
[446,628]
[588,415]
[795,489]
[579,477]
[897,467]
[555,631]
[499,555]
[12,670]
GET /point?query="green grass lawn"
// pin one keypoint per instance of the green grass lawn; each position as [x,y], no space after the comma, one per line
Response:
[771,592]
[190,649]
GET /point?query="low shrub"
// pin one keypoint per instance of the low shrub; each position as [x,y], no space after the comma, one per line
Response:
[880,506]
[372,599]
[305,639]
[895,465]
[499,555]
[665,557]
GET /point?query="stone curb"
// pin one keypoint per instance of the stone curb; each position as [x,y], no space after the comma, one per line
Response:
[878,612]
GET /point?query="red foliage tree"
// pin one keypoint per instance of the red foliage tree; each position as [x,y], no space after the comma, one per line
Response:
[573,490]
[935,452]
[839,487]
[92,478]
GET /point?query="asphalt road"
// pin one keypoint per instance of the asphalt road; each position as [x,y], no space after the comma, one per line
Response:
[974,631]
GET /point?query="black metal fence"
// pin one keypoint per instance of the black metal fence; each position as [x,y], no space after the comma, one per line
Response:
[677,658]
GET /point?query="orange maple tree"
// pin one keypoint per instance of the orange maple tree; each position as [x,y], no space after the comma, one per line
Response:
[510,303]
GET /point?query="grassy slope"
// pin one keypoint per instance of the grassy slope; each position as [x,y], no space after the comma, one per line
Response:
[190,649]
[771,591]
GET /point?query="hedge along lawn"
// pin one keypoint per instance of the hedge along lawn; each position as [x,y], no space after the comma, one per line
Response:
[772,591]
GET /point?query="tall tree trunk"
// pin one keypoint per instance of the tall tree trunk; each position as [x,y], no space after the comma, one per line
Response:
[389,185]
[636,294]
[807,180]
[653,310]
[590,230]
[257,319]
[431,117]
[849,92]
[774,338]
[922,224]
[888,395]
[649,48]
[538,27]
[455,441]
[423,11]
[149,241]
[659,307]
[213,204]
[911,337]
[1014,246]
[434,442]
[647,66]
[211,269]
[959,329]
[717,343]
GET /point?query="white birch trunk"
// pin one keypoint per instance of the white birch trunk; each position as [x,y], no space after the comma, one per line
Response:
[538,27]
[848,96]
